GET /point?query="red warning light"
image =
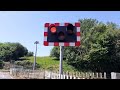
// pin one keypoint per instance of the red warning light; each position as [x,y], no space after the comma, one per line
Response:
[53,28]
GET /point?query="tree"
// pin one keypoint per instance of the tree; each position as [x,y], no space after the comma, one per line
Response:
[18,50]
[30,53]
[55,52]
[99,50]
[11,51]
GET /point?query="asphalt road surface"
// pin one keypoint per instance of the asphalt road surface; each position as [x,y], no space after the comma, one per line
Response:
[5,75]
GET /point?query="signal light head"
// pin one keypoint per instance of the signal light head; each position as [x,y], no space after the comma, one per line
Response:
[70,29]
[53,28]
[61,36]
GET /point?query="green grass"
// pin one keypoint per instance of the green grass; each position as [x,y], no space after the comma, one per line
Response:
[51,64]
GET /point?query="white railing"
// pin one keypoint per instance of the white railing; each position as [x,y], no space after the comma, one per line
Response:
[44,74]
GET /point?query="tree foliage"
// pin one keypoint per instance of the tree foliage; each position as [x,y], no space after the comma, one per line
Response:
[12,51]
[99,50]
[55,52]
[30,53]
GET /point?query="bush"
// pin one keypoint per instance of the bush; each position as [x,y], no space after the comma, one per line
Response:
[26,64]
[30,54]
[12,51]
[1,64]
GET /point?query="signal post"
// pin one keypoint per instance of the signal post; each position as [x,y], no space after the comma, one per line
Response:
[62,34]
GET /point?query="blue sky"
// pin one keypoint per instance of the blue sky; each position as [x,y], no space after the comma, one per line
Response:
[27,26]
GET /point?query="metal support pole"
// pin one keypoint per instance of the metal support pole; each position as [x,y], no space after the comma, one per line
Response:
[34,65]
[61,60]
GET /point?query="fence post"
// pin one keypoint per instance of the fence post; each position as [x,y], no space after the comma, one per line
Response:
[101,75]
[53,75]
[64,75]
[70,75]
[56,74]
[56,77]
[83,75]
[79,75]
[43,74]
[28,74]
[97,75]
[74,75]
[67,75]
[93,75]
[50,74]
[40,74]
[113,75]
[105,75]
[90,75]
[87,75]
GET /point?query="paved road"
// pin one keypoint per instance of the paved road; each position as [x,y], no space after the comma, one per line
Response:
[5,75]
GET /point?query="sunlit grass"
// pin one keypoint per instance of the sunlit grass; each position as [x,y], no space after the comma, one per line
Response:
[51,64]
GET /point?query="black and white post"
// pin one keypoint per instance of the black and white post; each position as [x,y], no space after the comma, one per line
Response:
[34,64]
[61,60]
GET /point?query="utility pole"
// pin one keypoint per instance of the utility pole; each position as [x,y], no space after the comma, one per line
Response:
[34,64]
[61,60]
